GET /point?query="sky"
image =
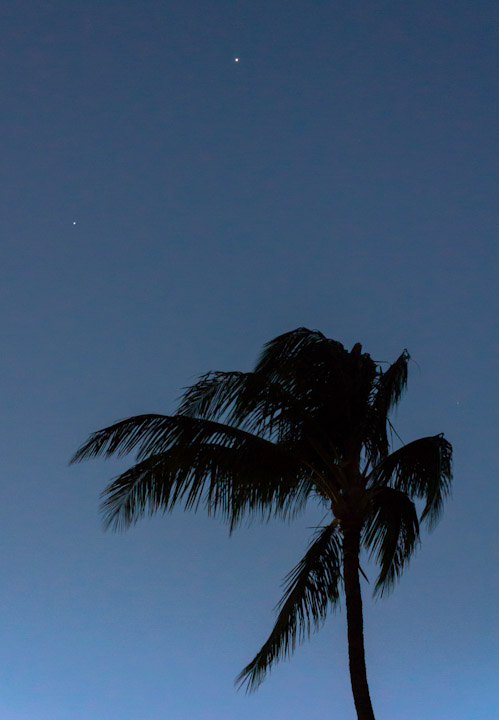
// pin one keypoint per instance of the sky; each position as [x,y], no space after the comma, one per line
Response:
[166,211]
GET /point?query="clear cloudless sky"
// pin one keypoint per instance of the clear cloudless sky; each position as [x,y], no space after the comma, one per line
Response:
[165,211]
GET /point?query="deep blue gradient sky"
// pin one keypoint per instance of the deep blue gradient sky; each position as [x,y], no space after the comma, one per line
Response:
[341,177]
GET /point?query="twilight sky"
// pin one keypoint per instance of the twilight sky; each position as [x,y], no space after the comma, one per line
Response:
[339,176]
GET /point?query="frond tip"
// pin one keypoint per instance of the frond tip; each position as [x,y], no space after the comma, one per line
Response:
[123,437]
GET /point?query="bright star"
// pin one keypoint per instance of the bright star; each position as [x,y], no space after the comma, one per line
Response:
[236,59]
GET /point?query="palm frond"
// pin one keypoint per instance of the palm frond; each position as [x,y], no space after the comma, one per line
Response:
[387,391]
[391,534]
[190,460]
[310,589]
[422,469]
[155,433]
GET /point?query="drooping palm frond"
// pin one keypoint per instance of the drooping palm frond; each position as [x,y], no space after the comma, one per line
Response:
[195,461]
[231,482]
[422,469]
[391,534]
[155,433]
[311,588]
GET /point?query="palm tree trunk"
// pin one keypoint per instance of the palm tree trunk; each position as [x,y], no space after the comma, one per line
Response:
[355,624]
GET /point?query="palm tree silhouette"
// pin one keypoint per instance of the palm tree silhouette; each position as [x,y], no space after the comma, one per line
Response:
[310,422]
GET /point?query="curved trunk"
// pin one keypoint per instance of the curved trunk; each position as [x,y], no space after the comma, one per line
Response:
[355,624]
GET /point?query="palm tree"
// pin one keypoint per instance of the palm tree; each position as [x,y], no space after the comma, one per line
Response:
[310,422]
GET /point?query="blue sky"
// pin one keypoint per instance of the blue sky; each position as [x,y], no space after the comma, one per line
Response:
[340,176]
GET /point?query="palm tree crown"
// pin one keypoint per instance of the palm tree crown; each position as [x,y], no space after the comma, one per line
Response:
[310,421]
